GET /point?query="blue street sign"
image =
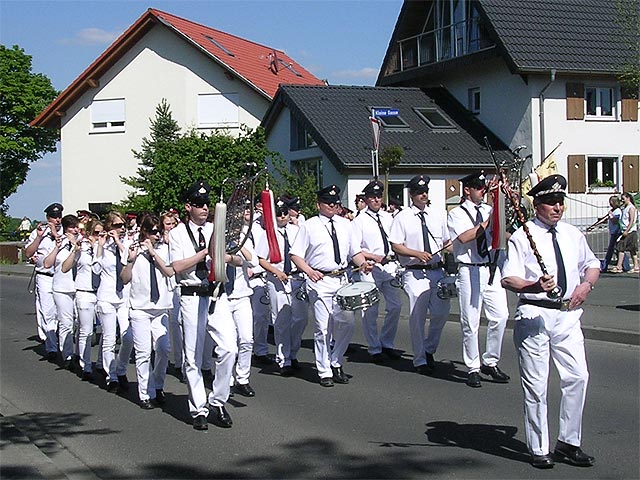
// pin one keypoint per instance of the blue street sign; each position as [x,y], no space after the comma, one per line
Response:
[385,112]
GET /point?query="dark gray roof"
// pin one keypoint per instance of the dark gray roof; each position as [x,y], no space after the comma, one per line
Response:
[338,119]
[568,35]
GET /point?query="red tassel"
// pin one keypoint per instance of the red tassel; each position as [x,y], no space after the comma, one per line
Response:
[268,210]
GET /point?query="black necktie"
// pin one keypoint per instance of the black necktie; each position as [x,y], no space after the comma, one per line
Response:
[481,241]
[119,284]
[336,247]
[201,268]
[562,274]
[231,278]
[74,268]
[155,293]
[287,257]
[384,235]
[425,233]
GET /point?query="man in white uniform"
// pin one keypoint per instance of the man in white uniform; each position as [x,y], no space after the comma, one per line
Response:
[371,229]
[478,284]
[322,250]
[417,234]
[547,321]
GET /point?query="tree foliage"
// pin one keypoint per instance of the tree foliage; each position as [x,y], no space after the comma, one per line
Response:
[23,95]
[389,158]
[628,19]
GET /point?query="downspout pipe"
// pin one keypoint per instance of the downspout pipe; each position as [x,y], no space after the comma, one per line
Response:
[541,100]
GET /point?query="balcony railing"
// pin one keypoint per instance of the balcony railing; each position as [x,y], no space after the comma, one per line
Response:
[452,41]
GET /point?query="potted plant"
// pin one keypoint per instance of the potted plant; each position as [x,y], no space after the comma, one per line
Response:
[602,187]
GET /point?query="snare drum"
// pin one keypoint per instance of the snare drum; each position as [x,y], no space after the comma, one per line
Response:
[357,295]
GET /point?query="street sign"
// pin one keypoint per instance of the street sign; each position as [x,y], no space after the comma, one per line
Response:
[385,112]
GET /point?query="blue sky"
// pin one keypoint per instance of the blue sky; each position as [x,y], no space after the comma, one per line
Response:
[341,41]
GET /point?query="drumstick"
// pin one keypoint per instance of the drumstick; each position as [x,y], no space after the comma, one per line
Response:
[342,271]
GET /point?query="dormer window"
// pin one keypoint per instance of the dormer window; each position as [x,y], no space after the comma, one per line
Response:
[390,118]
[434,118]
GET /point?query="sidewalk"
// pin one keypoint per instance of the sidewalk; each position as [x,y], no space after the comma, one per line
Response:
[611,313]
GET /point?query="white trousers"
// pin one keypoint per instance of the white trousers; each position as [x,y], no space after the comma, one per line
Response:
[150,329]
[331,324]
[86,308]
[474,293]
[223,330]
[65,310]
[291,317]
[261,319]
[421,288]
[113,315]
[46,313]
[175,330]
[540,333]
[194,314]
[393,305]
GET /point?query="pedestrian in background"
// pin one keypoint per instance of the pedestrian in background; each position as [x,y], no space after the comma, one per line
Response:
[629,236]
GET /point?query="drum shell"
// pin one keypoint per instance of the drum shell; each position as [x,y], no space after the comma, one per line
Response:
[368,296]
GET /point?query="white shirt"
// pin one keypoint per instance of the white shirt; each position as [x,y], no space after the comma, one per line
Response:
[63,282]
[83,265]
[140,293]
[181,247]
[241,287]
[626,218]
[106,267]
[459,222]
[47,244]
[314,244]
[367,233]
[576,255]
[262,248]
[406,230]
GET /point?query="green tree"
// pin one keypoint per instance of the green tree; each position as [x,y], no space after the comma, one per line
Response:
[628,19]
[389,158]
[23,95]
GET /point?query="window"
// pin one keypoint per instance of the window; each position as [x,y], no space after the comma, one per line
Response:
[603,174]
[218,110]
[474,100]
[434,118]
[107,115]
[307,168]
[301,138]
[395,122]
[600,102]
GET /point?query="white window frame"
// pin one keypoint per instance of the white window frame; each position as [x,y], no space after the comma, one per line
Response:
[108,115]
[617,180]
[598,91]
[218,110]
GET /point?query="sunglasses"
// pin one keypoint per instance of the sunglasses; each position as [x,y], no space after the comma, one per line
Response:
[198,204]
[117,225]
[552,201]
[154,231]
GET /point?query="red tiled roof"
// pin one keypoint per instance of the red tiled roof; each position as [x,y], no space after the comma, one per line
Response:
[262,67]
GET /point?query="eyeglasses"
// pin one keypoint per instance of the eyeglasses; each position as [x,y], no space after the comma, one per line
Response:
[117,225]
[552,201]
[198,204]
[154,231]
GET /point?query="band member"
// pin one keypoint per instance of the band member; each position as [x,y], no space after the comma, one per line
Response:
[295,206]
[284,283]
[150,300]
[64,288]
[371,229]
[417,233]
[191,262]
[324,245]
[40,243]
[110,256]
[477,283]
[361,204]
[547,320]
[86,285]
[261,313]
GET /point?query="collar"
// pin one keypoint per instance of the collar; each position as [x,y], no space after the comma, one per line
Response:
[416,211]
[469,205]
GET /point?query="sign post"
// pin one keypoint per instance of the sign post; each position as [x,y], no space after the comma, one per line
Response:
[375,125]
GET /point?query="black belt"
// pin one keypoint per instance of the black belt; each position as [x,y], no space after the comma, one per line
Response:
[562,306]
[339,271]
[197,290]
[433,266]
[46,274]
[87,291]
[487,264]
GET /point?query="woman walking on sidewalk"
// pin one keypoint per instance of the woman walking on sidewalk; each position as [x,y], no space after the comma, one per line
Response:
[629,240]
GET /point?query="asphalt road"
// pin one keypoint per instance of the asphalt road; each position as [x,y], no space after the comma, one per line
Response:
[387,423]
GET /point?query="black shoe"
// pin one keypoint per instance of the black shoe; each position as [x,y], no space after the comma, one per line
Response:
[123,382]
[245,390]
[339,376]
[112,386]
[326,382]
[102,372]
[221,417]
[52,357]
[542,461]
[200,423]
[295,364]
[87,376]
[160,397]
[494,372]
[287,371]
[262,360]
[391,353]
[424,370]
[377,358]
[67,365]
[573,455]
[431,362]
[473,380]
[146,405]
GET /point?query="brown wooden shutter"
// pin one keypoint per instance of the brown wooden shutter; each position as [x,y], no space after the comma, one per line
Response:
[452,188]
[629,105]
[630,173]
[577,173]
[575,101]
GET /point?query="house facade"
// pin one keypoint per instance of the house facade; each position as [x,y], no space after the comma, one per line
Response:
[212,80]
[537,73]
